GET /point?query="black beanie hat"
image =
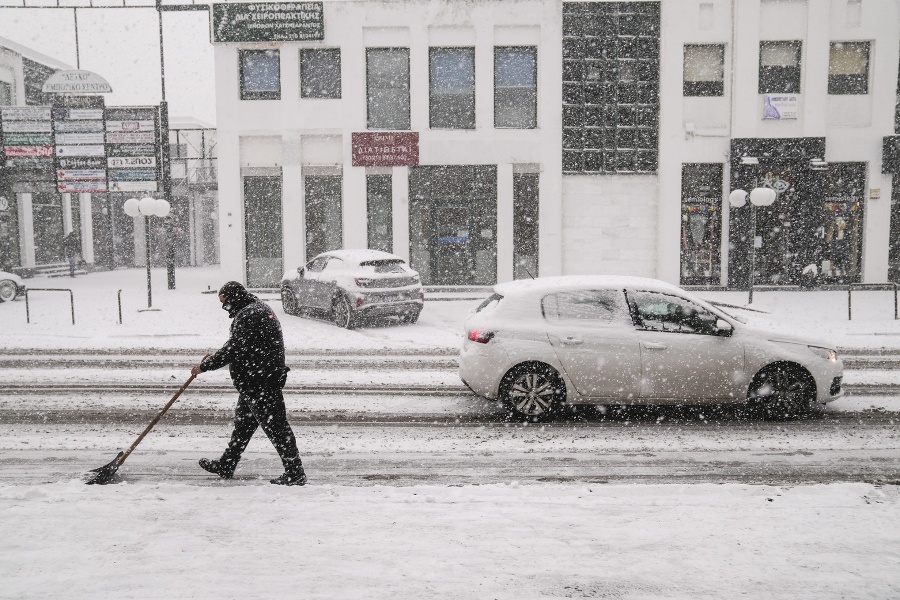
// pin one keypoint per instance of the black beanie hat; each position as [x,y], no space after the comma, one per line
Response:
[232,289]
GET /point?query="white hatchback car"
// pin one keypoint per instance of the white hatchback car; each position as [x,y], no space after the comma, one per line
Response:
[540,344]
[353,286]
[11,286]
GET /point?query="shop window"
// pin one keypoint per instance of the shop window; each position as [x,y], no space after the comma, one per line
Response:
[704,70]
[323,209]
[894,247]
[380,212]
[320,73]
[610,87]
[515,88]
[779,67]
[260,74]
[387,88]
[525,225]
[848,68]
[452,88]
[701,223]
[263,230]
[5,94]
[838,253]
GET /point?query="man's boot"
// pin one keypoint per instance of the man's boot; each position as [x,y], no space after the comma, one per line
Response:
[223,469]
[293,473]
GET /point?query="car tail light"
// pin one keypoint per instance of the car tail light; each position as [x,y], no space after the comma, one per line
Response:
[363,282]
[482,336]
[421,295]
[359,302]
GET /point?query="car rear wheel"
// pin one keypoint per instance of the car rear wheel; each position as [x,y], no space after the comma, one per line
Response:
[8,290]
[533,390]
[289,302]
[341,313]
[783,392]
[410,317]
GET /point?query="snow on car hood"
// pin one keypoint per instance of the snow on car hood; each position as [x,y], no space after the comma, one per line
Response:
[787,338]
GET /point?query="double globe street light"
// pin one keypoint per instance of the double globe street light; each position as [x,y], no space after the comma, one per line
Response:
[761,196]
[148,207]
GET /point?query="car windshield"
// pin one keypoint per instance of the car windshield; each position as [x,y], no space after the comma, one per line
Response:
[383,266]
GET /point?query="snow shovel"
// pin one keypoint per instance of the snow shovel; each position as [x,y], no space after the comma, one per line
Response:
[105,473]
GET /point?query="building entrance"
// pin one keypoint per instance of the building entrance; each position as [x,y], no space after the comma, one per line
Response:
[262,230]
[453,224]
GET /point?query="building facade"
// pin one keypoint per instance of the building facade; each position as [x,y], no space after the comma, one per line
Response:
[491,140]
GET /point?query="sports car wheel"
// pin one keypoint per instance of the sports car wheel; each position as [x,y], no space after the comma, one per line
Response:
[341,313]
[289,302]
[783,392]
[533,390]
[8,290]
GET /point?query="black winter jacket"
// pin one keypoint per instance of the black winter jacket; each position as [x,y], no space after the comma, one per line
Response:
[255,350]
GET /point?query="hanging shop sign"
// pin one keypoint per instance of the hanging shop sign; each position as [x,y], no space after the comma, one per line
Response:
[132,174]
[385,149]
[120,126]
[79,138]
[132,186]
[27,139]
[780,106]
[76,81]
[81,187]
[81,174]
[117,162]
[40,164]
[27,126]
[131,137]
[81,162]
[80,151]
[132,150]
[25,113]
[77,114]
[268,22]
[78,126]
[27,151]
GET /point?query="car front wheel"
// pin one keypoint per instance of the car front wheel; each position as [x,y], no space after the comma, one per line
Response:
[341,313]
[533,390]
[8,290]
[289,302]
[783,392]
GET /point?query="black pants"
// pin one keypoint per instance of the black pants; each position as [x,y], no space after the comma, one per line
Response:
[262,407]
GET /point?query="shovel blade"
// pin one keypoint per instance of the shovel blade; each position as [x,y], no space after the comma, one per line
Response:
[104,474]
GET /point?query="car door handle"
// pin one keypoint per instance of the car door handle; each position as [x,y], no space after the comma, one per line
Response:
[571,341]
[654,346]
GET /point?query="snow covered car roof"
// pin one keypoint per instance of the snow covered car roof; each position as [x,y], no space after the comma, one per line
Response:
[572,282]
[361,255]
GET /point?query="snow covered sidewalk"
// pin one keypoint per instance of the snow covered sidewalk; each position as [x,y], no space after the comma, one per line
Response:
[172,540]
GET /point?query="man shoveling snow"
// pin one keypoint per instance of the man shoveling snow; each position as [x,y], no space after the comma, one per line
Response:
[255,355]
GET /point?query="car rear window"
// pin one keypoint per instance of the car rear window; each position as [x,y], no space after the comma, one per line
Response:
[600,306]
[383,266]
[490,302]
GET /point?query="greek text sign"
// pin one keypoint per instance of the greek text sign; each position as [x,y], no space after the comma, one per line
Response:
[28,151]
[117,162]
[132,186]
[81,174]
[80,151]
[26,126]
[130,126]
[78,126]
[69,187]
[77,114]
[76,82]
[780,106]
[268,22]
[79,138]
[385,149]
[131,137]
[27,139]
[25,113]
[82,162]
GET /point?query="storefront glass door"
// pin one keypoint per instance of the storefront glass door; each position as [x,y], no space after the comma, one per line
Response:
[262,230]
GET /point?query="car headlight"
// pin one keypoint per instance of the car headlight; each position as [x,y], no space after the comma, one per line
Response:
[826,353]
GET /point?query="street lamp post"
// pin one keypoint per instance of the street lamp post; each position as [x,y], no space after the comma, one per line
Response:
[759,196]
[148,207]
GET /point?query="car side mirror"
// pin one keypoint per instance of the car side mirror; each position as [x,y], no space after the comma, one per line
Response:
[301,271]
[724,327]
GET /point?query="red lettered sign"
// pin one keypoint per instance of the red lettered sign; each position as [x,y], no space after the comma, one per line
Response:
[28,151]
[385,149]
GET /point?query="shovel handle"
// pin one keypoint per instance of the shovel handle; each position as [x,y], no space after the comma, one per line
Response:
[154,421]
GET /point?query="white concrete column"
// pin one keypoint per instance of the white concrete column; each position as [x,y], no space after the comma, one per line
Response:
[26,229]
[505,217]
[354,206]
[292,202]
[400,211]
[86,217]
[140,243]
[877,227]
[231,193]
[67,213]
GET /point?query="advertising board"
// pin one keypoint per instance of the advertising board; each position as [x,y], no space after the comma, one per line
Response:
[132,186]
[268,22]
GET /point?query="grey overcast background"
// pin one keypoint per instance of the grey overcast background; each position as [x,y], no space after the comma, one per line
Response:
[122,45]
